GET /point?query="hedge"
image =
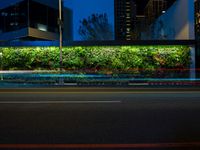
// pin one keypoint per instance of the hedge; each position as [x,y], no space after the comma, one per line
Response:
[96,58]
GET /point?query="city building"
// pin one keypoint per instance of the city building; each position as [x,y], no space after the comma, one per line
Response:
[154,9]
[28,20]
[125,19]
[197,32]
[197,19]
[134,17]
[141,26]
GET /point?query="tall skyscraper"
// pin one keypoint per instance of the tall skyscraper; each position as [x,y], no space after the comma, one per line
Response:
[154,9]
[125,19]
[197,32]
[197,19]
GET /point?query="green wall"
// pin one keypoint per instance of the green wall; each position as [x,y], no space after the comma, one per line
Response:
[118,59]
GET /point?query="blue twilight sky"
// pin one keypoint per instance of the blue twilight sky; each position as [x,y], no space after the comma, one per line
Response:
[84,8]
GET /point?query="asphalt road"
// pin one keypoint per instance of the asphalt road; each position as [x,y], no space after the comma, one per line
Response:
[99,116]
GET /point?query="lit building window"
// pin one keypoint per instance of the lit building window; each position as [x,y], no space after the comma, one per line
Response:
[41,27]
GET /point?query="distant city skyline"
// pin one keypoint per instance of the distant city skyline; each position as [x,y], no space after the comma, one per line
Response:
[79,10]
[83,9]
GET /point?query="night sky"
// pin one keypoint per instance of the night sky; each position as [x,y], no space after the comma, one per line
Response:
[84,8]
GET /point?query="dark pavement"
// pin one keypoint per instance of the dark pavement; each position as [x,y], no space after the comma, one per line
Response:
[99,116]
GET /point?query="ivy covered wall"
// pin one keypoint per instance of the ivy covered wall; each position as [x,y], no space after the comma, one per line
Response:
[97,58]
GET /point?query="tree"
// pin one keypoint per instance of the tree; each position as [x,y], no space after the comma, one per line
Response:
[96,27]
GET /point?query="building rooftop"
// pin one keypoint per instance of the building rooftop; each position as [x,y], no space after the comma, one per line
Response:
[7,3]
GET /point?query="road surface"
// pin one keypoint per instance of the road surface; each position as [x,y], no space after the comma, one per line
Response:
[99,116]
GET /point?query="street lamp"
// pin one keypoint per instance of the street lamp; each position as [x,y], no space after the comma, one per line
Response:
[60,33]
[60,23]
[1,56]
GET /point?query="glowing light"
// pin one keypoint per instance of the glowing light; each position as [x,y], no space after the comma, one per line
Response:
[41,27]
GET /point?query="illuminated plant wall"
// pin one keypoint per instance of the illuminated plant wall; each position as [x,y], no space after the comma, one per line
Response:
[107,59]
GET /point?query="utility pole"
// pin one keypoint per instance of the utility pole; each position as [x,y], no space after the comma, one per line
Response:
[60,31]
[60,23]
[1,56]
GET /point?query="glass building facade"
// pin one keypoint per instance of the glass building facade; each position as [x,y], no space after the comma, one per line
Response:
[29,19]
[136,19]
[154,9]
[197,31]
[125,19]
[14,17]
[45,22]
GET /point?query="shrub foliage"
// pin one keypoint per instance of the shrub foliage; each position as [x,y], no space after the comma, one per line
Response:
[96,58]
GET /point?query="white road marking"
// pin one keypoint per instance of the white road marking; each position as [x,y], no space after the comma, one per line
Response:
[108,92]
[132,84]
[59,102]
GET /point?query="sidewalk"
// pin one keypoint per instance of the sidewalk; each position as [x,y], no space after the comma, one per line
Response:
[45,78]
